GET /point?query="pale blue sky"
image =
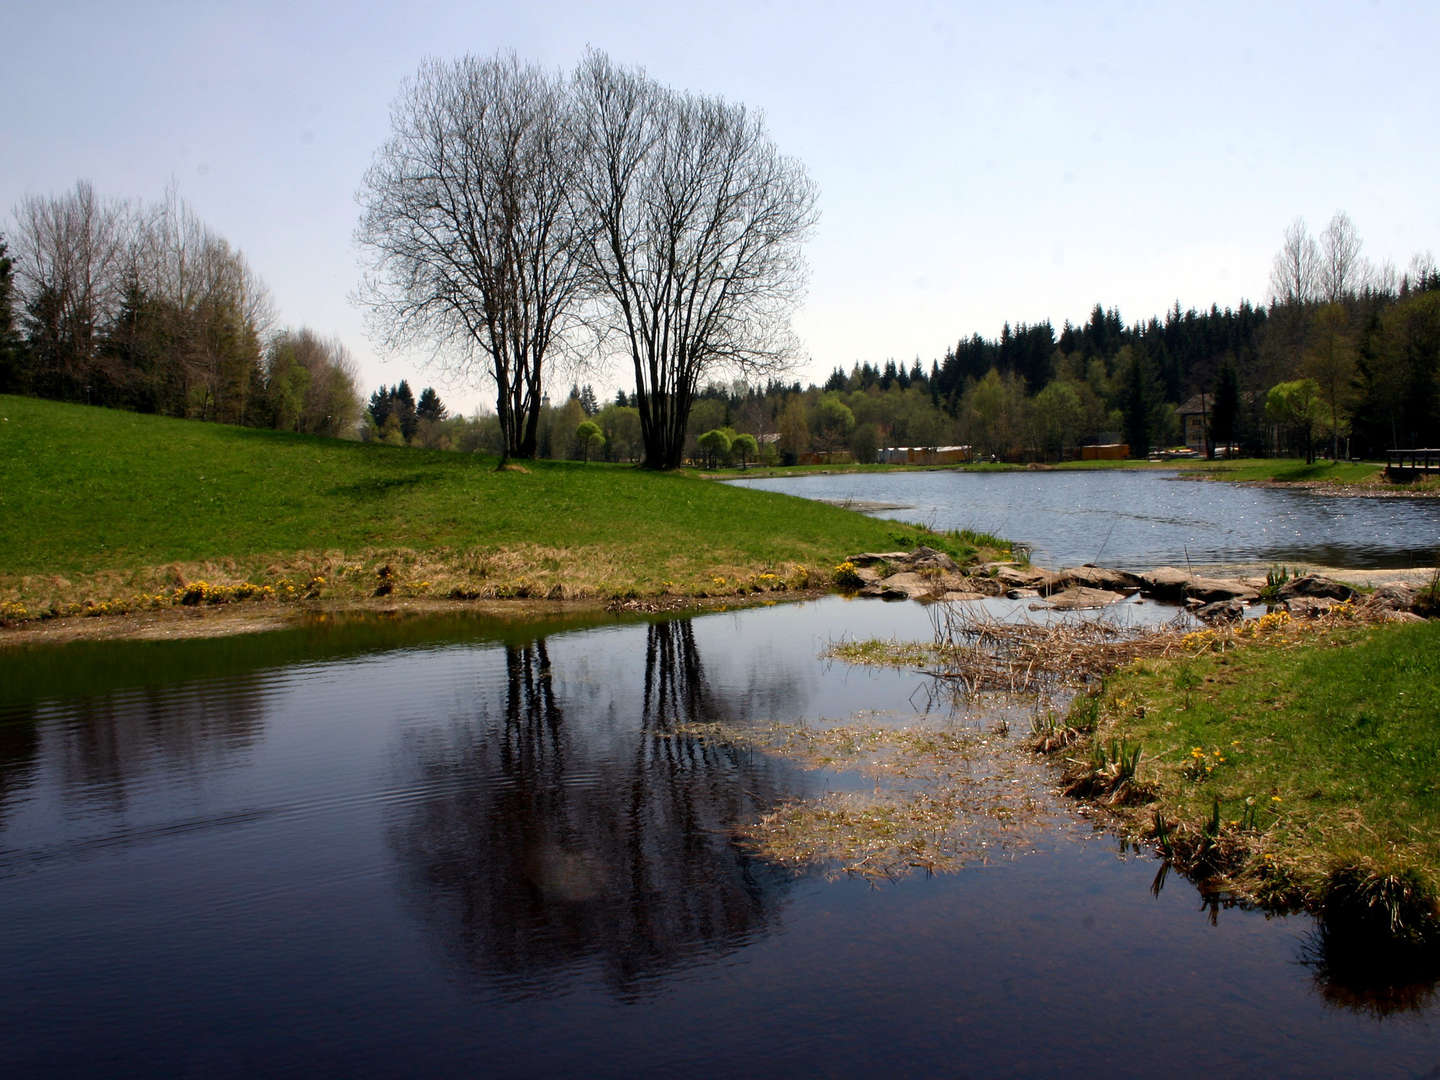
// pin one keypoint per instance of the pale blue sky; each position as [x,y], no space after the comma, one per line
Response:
[975,165]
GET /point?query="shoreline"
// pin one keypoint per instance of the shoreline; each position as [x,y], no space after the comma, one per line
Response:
[178,622]
[243,617]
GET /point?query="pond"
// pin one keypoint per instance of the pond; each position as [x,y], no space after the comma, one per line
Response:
[1136,520]
[448,845]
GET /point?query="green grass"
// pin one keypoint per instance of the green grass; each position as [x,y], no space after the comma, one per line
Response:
[122,501]
[1291,470]
[1310,758]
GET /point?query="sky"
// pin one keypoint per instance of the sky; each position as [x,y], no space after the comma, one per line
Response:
[977,163]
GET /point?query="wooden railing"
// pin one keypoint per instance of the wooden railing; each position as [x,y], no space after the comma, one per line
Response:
[1408,464]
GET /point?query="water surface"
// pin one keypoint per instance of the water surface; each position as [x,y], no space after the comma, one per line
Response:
[1134,520]
[450,846]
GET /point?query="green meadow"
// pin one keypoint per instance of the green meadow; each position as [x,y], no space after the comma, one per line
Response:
[109,507]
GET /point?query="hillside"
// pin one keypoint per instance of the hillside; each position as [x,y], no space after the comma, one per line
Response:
[119,508]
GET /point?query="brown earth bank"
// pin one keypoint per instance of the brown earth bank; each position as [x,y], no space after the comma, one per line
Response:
[176,623]
[924,574]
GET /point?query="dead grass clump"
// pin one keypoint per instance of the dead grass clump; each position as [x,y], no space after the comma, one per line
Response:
[1028,657]
[944,797]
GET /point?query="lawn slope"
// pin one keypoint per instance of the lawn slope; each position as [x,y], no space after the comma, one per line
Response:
[103,506]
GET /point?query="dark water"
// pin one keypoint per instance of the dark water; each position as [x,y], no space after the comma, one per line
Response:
[445,847]
[1139,520]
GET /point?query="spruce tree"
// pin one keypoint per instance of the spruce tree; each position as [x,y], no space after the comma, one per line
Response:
[404,399]
[9,340]
[1225,415]
[430,407]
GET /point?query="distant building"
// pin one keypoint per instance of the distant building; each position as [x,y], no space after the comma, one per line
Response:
[924,455]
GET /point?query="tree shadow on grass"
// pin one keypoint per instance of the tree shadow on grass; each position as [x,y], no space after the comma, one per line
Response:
[378,487]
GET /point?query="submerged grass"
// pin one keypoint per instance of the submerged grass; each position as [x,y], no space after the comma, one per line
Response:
[942,798]
[107,510]
[1291,763]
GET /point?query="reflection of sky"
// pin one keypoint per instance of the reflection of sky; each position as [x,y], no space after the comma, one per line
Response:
[1136,520]
[252,894]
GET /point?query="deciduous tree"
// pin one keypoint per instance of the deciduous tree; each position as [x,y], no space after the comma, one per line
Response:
[699,221]
[465,212]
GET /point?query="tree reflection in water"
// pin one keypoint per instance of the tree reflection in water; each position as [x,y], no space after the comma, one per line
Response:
[545,838]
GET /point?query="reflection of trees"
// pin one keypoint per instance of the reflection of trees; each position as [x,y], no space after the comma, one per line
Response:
[1366,973]
[1356,964]
[546,839]
[18,745]
[107,744]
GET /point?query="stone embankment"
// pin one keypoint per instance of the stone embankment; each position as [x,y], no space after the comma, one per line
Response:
[929,575]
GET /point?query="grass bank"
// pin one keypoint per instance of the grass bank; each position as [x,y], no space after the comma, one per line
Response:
[1290,764]
[1340,477]
[108,511]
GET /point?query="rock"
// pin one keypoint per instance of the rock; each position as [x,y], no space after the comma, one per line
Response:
[1211,590]
[913,585]
[868,574]
[1028,577]
[870,558]
[1081,597]
[1307,607]
[1022,594]
[926,558]
[1221,611]
[1097,577]
[986,586]
[960,597]
[1166,583]
[1315,585]
[1393,597]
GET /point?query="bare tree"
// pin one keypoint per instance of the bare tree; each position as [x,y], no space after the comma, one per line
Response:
[1295,273]
[67,258]
[465,214]
[699,221]
[209,308]
[1342,270]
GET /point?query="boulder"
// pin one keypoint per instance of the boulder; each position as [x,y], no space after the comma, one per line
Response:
[913,585]
[1307,607]
[985,585]
[1081,597]
[1022,594]
[1315,585]
[1026,577]
[961,596]
[1097,577]
[1222,611]
[1211,590]
[1390,599]
[1166,583]
[927,558]
[870,558]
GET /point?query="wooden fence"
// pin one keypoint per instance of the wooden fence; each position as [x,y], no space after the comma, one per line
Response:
[1407,464]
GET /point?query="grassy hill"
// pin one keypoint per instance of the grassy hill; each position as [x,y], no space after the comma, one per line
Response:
[106,506]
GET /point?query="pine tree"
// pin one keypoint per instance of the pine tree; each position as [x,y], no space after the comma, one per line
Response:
[404,400]
[430,407]
[1225,414]
[382,404]
[1139,394]
[9,339]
